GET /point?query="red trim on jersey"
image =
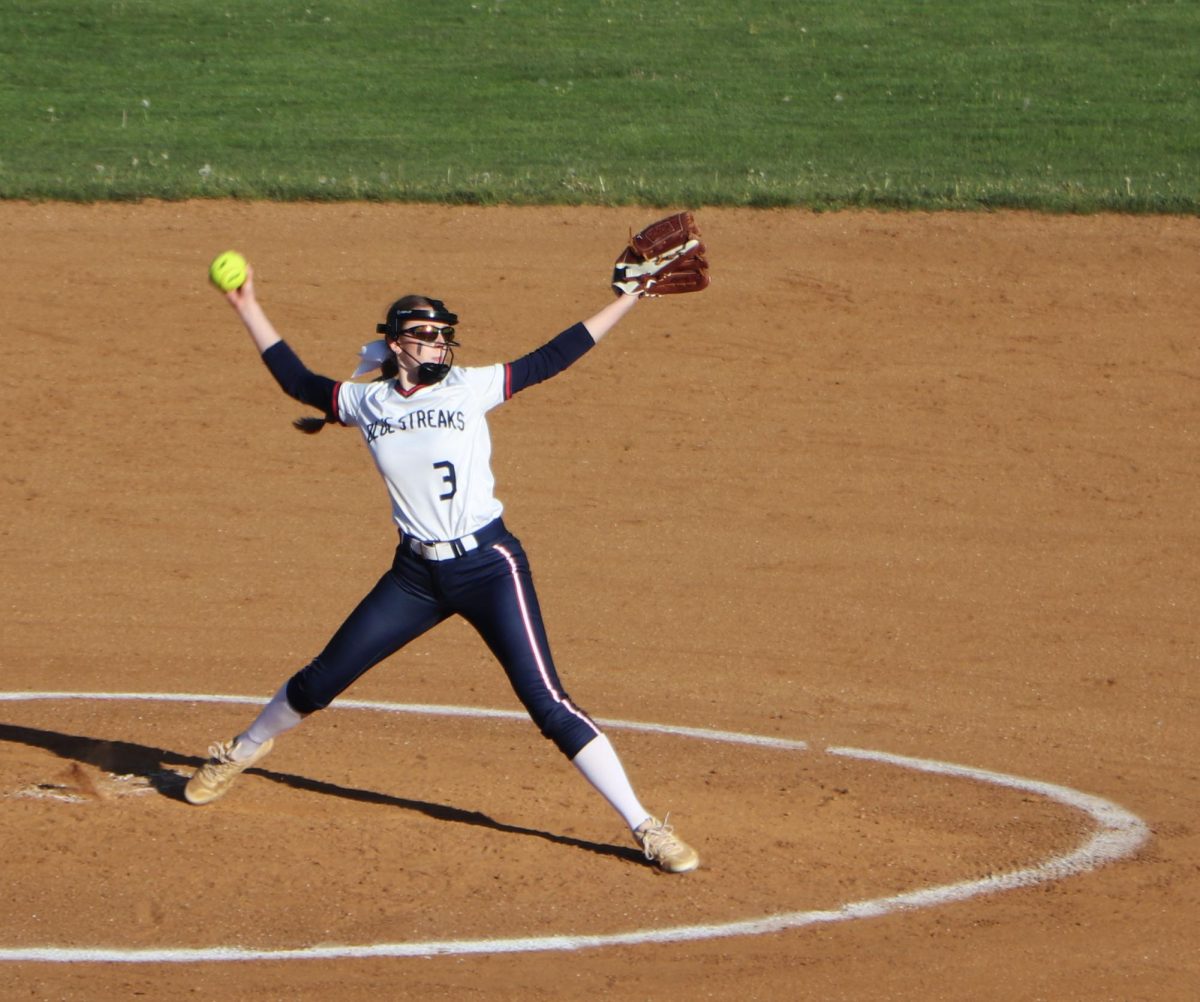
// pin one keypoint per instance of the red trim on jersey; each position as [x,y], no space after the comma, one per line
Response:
[406,393]
[508,381]
[337,388]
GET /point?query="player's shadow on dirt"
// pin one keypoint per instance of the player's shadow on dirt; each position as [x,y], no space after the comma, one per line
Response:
[442,812]
[118,758]
[155,766]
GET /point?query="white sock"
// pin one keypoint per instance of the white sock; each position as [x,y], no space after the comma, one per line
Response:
[275,718]
[600,766]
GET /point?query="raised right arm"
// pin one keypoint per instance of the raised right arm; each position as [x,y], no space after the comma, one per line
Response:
[290,373]
[250,312]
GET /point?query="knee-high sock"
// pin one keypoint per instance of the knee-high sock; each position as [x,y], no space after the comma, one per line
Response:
[275,718]
[599,764]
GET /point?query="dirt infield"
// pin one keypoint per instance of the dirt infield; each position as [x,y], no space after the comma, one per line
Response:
[921,485]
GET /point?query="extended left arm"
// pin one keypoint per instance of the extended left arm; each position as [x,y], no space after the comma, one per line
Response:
[564,349]
[610,316]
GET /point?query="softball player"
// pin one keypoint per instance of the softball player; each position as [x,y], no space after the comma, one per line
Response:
[425,423]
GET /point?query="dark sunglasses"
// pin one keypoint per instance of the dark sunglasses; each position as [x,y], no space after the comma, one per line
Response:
[429,334]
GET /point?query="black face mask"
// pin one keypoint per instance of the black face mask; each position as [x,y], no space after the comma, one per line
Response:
[429,373]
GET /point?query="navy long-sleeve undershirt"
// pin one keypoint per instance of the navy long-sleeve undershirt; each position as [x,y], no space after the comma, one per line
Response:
[300,383]
[296,380]
[549,360]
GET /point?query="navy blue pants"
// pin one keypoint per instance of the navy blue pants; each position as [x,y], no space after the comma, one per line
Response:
[491,587]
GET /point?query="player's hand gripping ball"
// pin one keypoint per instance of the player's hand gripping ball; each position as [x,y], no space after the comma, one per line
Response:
[228,271]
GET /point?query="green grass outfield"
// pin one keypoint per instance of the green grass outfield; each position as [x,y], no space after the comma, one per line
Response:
[1052,105]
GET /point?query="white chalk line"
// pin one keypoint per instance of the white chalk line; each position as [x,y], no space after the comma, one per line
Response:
[1119,834]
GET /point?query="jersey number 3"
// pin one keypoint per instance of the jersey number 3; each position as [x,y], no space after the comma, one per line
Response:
[449,477]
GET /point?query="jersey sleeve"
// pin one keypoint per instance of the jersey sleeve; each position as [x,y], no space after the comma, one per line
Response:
[549,360]
[348,402]
[487,384]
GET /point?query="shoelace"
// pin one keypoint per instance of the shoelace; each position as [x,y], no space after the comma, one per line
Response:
[659,839]
[221,753]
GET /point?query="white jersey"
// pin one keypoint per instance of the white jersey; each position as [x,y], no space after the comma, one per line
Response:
[432,447]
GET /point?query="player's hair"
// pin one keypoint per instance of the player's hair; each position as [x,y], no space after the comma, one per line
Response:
[390,368]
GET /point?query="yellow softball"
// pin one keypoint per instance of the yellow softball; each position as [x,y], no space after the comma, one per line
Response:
[228,271]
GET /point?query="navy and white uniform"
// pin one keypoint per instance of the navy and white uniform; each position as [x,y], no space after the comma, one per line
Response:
[455,556]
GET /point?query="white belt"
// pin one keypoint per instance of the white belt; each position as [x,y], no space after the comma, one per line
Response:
[442,551]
